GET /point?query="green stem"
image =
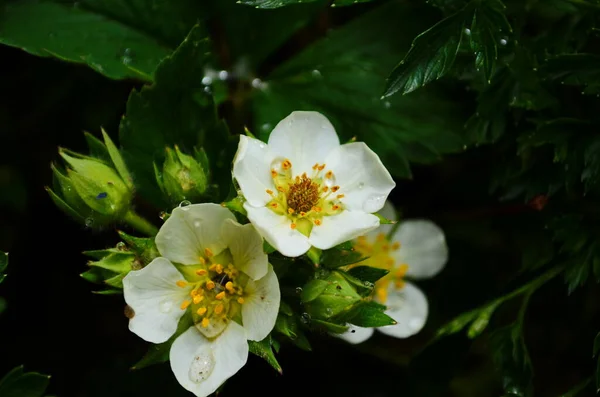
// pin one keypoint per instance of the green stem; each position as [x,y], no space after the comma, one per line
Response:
[140,224]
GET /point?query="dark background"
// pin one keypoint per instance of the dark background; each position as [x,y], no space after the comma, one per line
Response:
[55,325]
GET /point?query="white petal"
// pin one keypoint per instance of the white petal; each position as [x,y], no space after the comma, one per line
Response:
[259,311]
[389,212]
[252,170]
[305,138]
[355,334]
[191,229]
[346,225]
[246,247]
[277,231]
[361,175]
[202,365]
[155,298]
[408,306]
[422,247]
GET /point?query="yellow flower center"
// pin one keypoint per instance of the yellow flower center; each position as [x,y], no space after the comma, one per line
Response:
[216,293]
[304,200]
[379,256]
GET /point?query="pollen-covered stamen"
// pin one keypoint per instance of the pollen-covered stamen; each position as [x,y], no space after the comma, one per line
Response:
[303,194]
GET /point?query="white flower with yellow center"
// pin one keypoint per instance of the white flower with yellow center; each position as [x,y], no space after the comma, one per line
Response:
[214,270]
[416,250]
[304,189]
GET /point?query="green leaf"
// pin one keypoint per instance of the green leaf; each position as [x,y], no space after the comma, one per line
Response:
[3,265]
[78,34]
[313,289]
[329,326]
[23,384]
[334,258]
[575,69]
[264,350]
[117,160]
[175,110]
[488,26]
[268,4]
[430,57]
[368,314]
[511,357]
[342,76]
[159,353]
[481,321]
[367,273]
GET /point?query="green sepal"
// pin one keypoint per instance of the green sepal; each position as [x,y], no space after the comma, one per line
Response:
[117,160]
[264,350]
[313,289]
[119,262]
[97,148]
[236,205]
[367,314]
[143,247]
[336,257]
[329,326]
[384,221]
[338,296]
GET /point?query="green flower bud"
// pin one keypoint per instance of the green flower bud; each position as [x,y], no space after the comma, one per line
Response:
[335,297]
[183,177]
[94,191]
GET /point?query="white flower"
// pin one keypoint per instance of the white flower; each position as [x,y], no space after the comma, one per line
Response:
[213,270]
[304,189]
[416,250]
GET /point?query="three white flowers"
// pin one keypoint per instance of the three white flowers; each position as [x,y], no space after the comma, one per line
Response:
[302,189]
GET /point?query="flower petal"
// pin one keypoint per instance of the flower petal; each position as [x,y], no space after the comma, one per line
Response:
[246,247]
[305,138]
[361,175]
[389,212]
[277,231]
[346,225]
[202,365]
[408,306]
[422,247]
[252,170]
[155,298]
[356,334]
[191,229]
[260,309]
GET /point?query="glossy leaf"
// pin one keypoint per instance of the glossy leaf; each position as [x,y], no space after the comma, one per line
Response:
[368,314]
[313,289]
[266,4]
[264,350]
[3,265]
[18,383]
[367,273]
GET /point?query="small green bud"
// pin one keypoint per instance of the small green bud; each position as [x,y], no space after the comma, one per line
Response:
[338,296]
[93,191]
[183,177]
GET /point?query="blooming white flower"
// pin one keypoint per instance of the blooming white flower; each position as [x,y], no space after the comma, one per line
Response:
[416,250]
[214,270]
[304,189]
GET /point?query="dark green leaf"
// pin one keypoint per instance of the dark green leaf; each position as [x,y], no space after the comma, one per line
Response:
[313,289]
[159,353]
[329,326]
[334,258]
[430,57]
[3,265]
[596,345]
[574,392]
[367,273]
[575,69]
[23,384]
[458,323]
[77,34]
[263,349]
[512,361]
[368,314]
[174,110]
[266,4]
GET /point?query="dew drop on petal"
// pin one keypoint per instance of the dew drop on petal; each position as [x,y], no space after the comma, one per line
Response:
[201,367]
[165,306]
[197,224]
[184,204]
[261,145]
[361,185]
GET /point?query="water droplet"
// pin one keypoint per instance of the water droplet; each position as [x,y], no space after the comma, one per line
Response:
[201,367]
[277,164]
[329,182]
[361,185]
[265,127]
[316,73]
[197,223]
[162,215]
[121,246]
[387,105]
[368,284]
[328,311]
[305,318]
[89,222]
[257,83]
[207,80]
[207,89]
[503,41]
[262,145]
[166,305]
[223,75]
[467,31]
[298,290]
[184,204]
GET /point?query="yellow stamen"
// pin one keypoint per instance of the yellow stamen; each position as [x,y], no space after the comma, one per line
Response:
[402,269]
[381,294]
[181,284]
[207,252]
[219,268]
[317,209]
[185,304]
[399,284]
[202,261]
[210,285]
[293,226]
[286,165]
[198,299]
[274,205]
[240,300]
[273,173]
[396,246]
[219,308]
[314,167]
[280,189]
[229,287]
[213,267]
[329,174]
[201,272]
[290,211]
[335,188]
[269,192]
[340,196]
[335,207]
[220,295]
[325,188]
[321,167]
[381,237]
[201,311]
[205,322]
[302,213]
[318,222]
